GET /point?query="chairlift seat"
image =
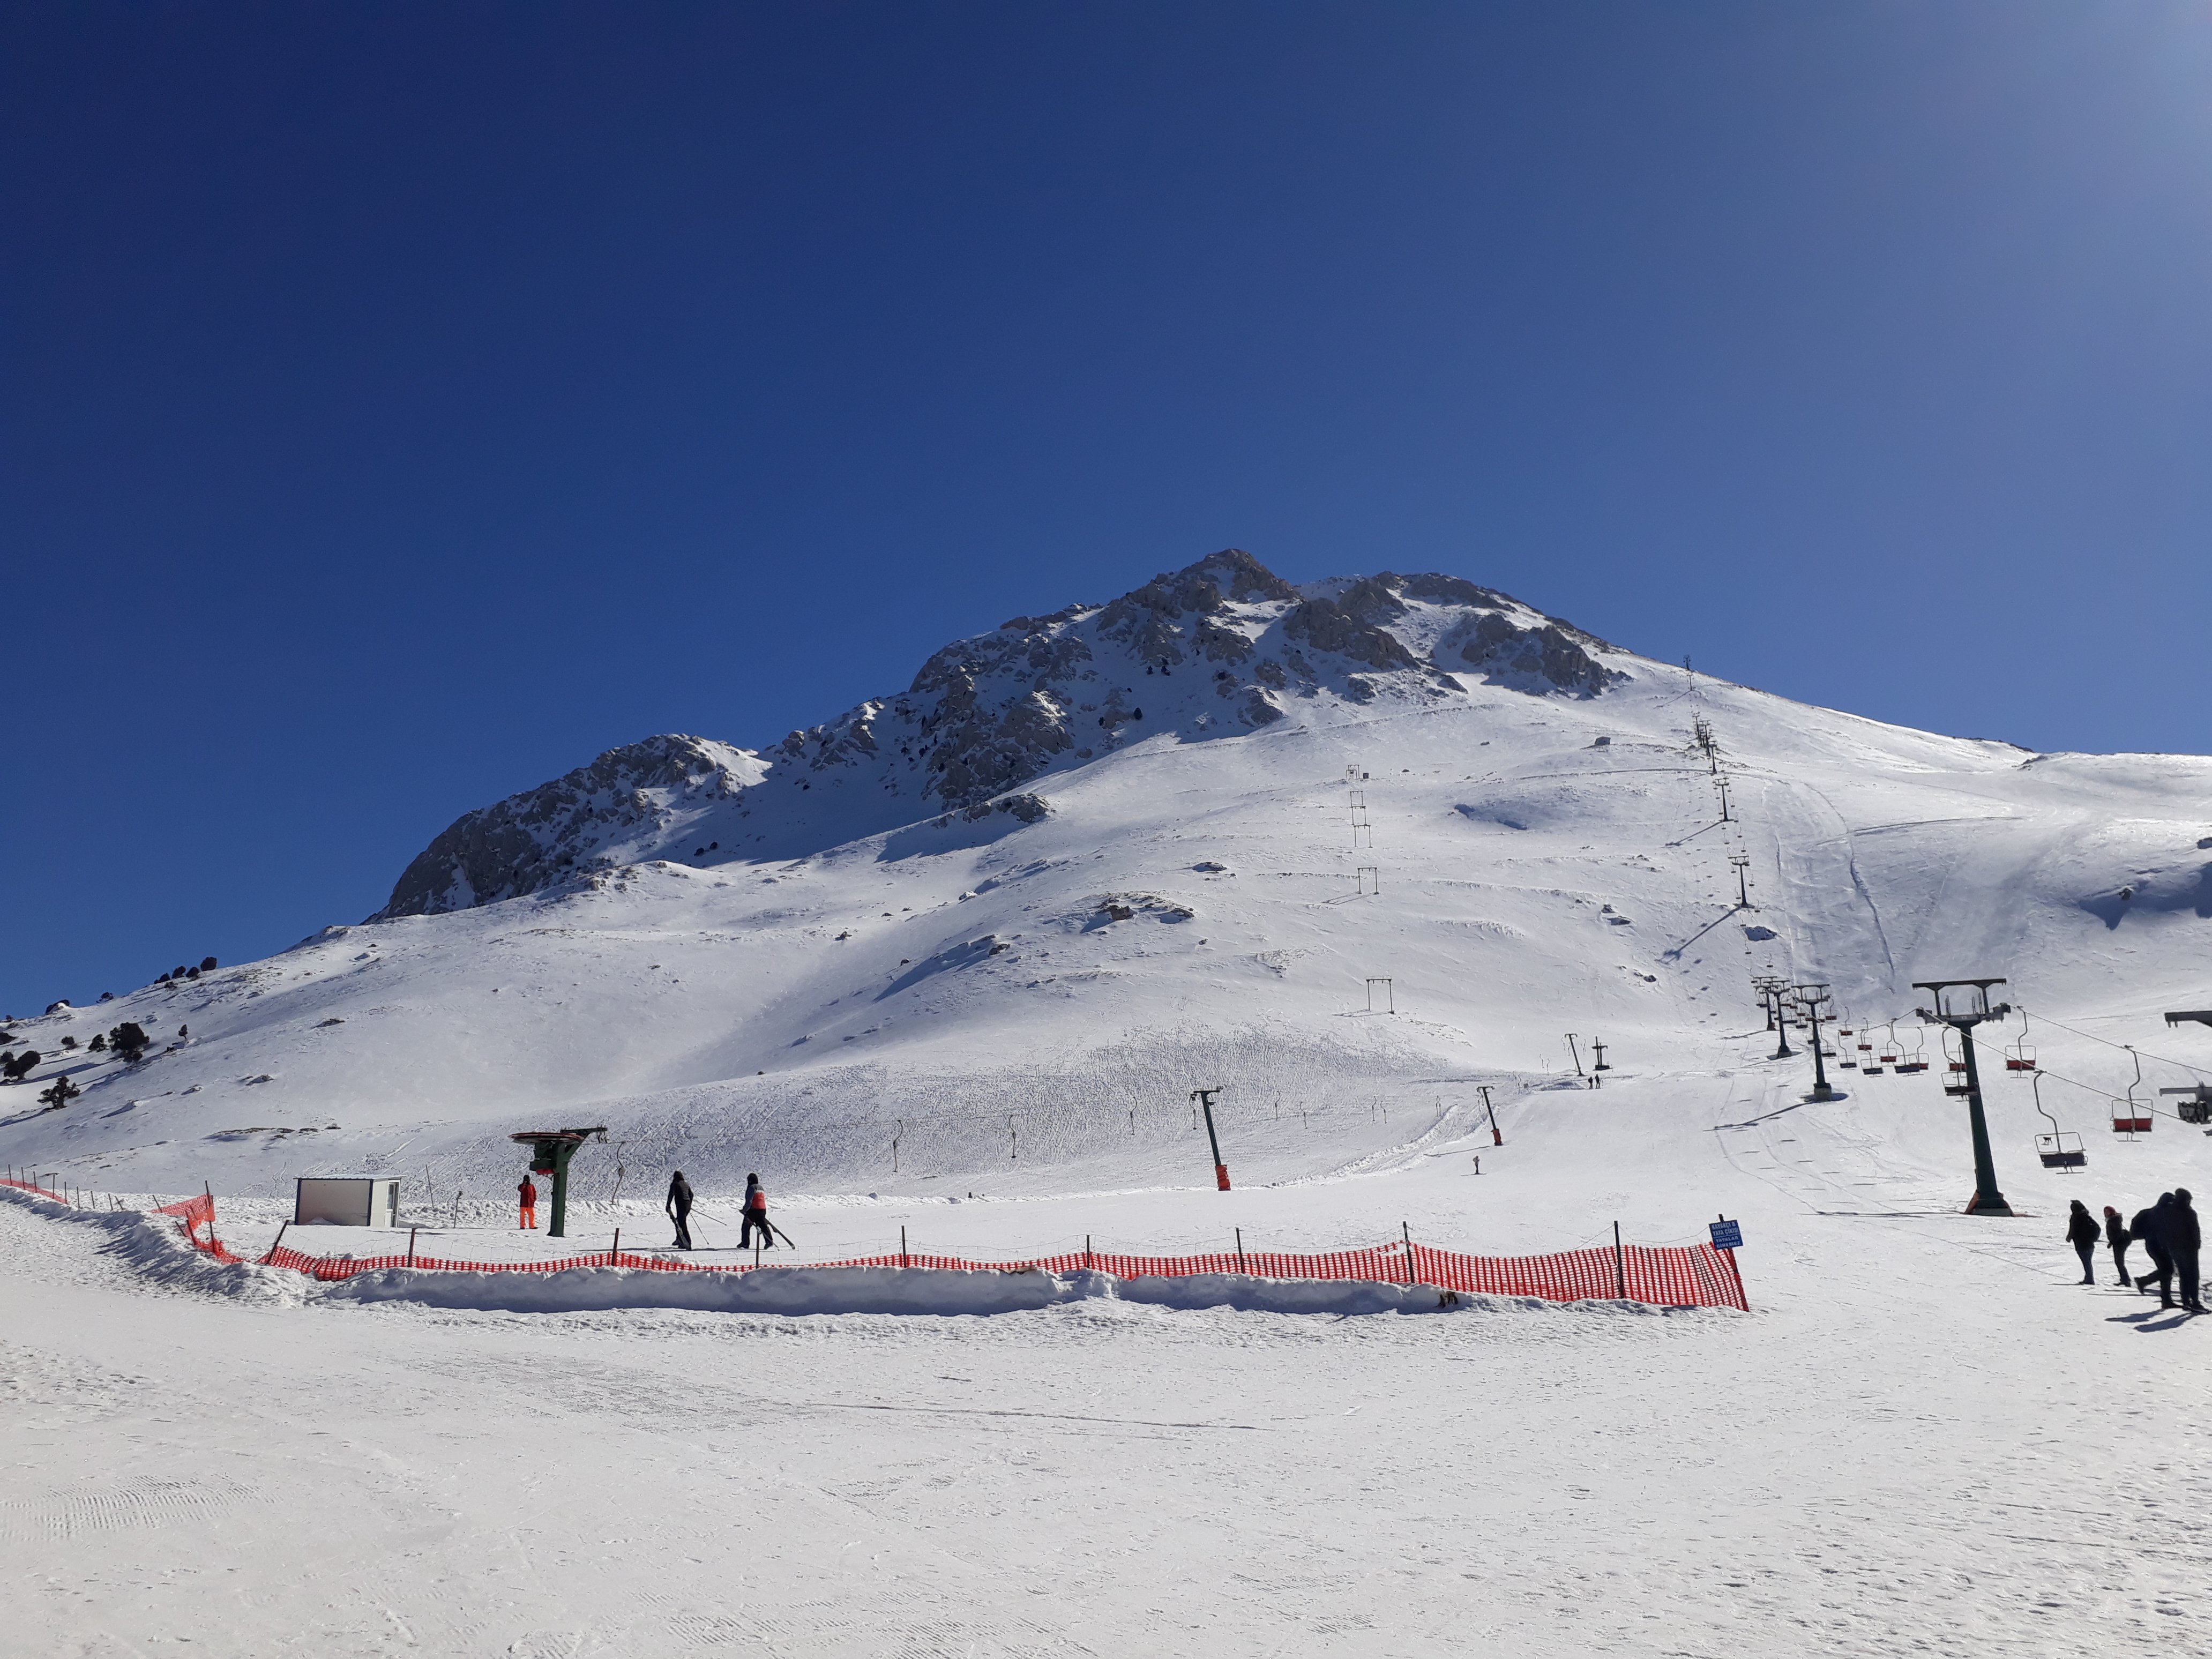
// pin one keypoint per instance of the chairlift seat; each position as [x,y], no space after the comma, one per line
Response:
[2062,1151]
[2131,1126]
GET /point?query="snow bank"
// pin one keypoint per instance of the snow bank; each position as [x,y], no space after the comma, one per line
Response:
[942,1292]
[155,1247]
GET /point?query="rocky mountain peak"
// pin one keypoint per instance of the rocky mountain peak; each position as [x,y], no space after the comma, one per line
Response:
[1222,647]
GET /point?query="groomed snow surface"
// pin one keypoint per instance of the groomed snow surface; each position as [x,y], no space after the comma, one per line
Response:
[1925,1437]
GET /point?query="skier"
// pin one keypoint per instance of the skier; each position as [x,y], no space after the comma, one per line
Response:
[2118,1236]
[527,1190]
[756,1215]
[678,1208]
[2150,1228]
[2183,1240]
[2081,1234]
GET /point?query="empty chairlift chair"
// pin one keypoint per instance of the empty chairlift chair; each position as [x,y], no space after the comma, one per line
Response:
[2130,1118]
[1917,1059]
[2060,1149]
[2020,1057]
[1954,1069]
[2195,1104]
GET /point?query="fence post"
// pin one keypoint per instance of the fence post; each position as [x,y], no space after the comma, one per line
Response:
[271,1256]
[1619,1266]
[1407,1233]
[903,1259]
[1086,1252]
[1735,1274]
[1239,1249]
[410,1247]
[613,1257]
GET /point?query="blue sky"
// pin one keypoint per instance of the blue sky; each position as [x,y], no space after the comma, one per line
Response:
[404,403]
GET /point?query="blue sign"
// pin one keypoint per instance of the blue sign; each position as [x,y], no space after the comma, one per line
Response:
[1727,1234]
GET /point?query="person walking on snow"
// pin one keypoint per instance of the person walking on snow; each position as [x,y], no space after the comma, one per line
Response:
[528,1191]
[756,1215]
[2150,1228]
[2118,1236]
[2083,1234]
[2183,1238]
[678,1208]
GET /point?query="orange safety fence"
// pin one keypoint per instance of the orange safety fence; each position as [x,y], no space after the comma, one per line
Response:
[1666,1276]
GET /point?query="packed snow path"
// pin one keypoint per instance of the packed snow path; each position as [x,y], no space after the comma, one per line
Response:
[1927,1440]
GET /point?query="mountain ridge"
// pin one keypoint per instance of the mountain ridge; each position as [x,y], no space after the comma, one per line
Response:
[987,715]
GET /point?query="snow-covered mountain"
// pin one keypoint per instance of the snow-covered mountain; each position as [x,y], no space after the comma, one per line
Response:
[1227,646]
[1348,851]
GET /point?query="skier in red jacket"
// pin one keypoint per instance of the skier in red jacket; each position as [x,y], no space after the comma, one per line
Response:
[528,1193]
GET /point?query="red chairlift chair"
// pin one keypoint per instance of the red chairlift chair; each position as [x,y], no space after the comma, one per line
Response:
[2130,1118]
[1954,1071]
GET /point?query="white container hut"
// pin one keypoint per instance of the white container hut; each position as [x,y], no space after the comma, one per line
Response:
[347,1201]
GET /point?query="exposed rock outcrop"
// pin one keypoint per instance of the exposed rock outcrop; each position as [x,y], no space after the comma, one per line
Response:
[1220,647]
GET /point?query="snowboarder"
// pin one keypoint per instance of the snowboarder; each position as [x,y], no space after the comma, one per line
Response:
[2183,1238]
[2081,1233]
[678,1207]
[528,1191]
[756,1215]
[2118,1236]
[2150,1228]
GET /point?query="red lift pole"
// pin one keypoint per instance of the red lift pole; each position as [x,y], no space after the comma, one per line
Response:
[1205,1099]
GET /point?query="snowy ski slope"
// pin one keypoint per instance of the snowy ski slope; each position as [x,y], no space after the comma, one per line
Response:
[1538,864]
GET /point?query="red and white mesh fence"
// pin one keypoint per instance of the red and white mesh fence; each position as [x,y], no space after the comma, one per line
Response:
[1666,1276]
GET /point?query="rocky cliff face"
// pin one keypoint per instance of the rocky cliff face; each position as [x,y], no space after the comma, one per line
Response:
[1223,647]
[590,818]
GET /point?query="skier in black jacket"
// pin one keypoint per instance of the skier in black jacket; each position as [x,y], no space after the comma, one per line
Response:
[2183,1238]
[2118,1236]
[678,1207]
[2082,1232]
[2150,1228]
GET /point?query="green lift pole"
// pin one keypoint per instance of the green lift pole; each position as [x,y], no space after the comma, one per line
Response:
[550,1151]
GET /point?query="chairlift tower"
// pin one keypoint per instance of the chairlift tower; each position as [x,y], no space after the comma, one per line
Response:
[1741,862]
[1811,995]
[1771,988]
[549,1152]
[1963,1004]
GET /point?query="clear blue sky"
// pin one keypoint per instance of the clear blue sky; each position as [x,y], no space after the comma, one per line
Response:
[404,403]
